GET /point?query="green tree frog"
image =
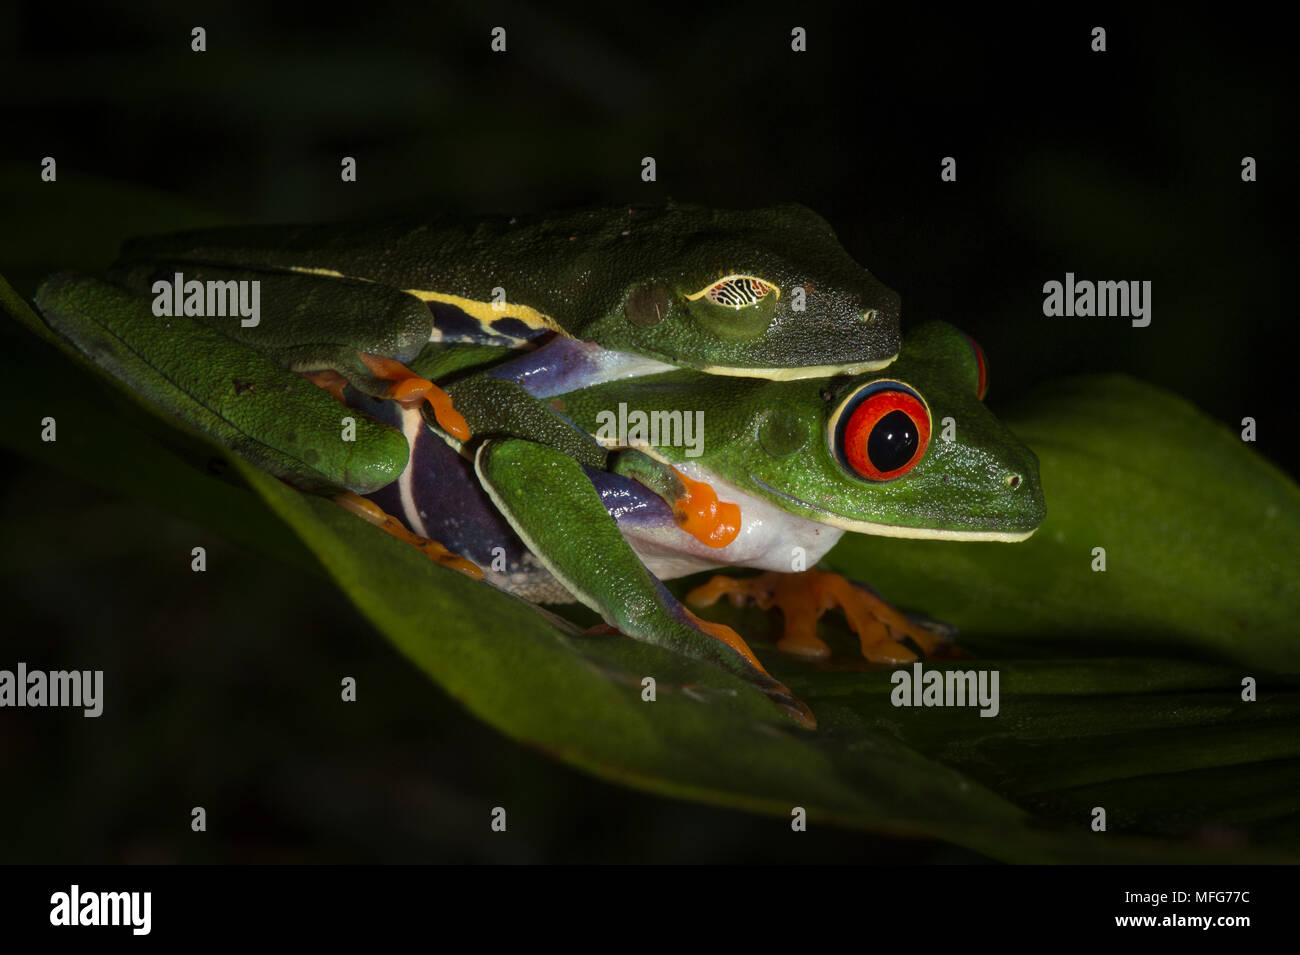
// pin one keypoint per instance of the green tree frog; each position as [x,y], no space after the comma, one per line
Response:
[556,497]
[766,293]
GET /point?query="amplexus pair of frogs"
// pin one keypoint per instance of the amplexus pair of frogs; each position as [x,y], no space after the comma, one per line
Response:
[484,364]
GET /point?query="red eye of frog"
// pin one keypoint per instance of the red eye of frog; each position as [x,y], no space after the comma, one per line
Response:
[882,431]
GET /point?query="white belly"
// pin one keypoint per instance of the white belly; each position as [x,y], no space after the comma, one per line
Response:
[769,538]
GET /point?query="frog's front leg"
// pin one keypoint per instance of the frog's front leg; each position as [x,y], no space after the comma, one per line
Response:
[696,507]
[802,599]
[553,507]
[496,404]
[499,407]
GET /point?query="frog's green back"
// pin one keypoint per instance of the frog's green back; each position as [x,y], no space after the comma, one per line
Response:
[761,293]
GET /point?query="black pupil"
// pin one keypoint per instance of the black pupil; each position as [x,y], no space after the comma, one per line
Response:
[892,442]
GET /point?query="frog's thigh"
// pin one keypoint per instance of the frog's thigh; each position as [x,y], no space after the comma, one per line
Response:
[227,390]
[553,507]
[307,322]
[363,331]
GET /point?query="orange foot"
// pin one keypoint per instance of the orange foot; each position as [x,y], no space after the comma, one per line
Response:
[430,548]
[331,381]
[408,388]
[804,597]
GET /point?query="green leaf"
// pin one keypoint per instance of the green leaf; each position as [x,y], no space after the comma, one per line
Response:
[1163,742]
[710,737]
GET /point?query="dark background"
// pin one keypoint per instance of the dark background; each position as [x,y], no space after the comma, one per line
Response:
[1120,165]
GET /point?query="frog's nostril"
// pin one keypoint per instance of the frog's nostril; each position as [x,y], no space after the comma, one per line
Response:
[1013,481]
[868,316]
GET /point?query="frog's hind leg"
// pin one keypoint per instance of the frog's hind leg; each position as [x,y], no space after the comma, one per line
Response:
[350,326]
[373,513]
[554,508]
[802,599]
[421,444]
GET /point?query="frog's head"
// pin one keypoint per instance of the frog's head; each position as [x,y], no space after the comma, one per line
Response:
[766,293]
[911,453]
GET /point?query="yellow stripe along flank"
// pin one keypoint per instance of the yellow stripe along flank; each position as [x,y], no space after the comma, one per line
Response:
[485,313]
